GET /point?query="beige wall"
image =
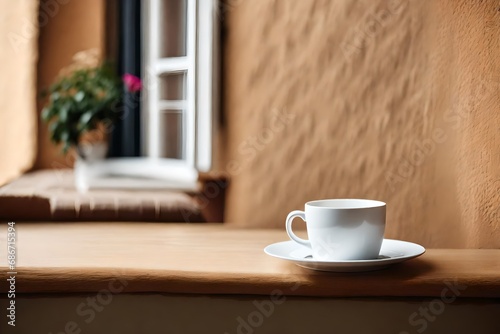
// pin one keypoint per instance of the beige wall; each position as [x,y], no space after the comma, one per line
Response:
[396,100]
[389,99]
[73,26]
[18,57]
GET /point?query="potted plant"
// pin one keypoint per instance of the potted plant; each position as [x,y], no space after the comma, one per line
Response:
[82,106]
[79,103]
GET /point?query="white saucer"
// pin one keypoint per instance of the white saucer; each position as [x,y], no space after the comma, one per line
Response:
[392,251]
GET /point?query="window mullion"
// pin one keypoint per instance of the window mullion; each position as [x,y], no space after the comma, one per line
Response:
[169,65]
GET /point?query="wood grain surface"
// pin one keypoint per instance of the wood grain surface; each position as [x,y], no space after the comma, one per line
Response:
[217,259]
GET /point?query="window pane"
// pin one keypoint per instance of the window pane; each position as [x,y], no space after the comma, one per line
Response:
[171,134]
[173,28]
[173,86]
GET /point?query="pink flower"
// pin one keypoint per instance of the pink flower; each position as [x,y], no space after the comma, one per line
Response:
[132,82]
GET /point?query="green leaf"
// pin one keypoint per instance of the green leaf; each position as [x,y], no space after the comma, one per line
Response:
[47,114]
[86,118]
[64,136]
[66,147]
[55,130]
[54,97]
[79,96]
[63,113]
[53,126]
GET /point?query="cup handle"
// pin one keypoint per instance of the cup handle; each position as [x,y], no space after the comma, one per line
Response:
[289,220]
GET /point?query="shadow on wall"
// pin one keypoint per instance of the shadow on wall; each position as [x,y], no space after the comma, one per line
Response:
[379,100]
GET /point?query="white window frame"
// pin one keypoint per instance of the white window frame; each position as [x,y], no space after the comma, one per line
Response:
[201,66]
[156,66]
[208,94]
[201,108]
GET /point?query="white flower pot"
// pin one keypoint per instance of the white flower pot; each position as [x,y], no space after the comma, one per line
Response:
[93,151]
[89,154]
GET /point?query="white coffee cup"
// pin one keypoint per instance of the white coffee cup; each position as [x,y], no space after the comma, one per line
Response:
[341,229]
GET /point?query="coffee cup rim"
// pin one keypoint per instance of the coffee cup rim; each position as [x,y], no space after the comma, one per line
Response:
[367,203]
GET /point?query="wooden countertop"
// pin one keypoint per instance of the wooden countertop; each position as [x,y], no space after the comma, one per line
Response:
[216,259]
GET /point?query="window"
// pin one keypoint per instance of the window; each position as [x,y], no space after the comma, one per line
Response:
[180,95]
[179,103]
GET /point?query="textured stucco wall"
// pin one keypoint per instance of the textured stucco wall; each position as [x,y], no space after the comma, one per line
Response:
[18,57]
[68,27]
[391,100]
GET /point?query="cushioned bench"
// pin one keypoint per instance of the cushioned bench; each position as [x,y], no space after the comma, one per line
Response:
[51,195]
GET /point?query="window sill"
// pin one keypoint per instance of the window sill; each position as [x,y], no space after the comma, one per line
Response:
[216,259]
[51,195]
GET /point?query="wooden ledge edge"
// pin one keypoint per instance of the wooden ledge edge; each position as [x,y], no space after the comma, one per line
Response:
[94,280]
